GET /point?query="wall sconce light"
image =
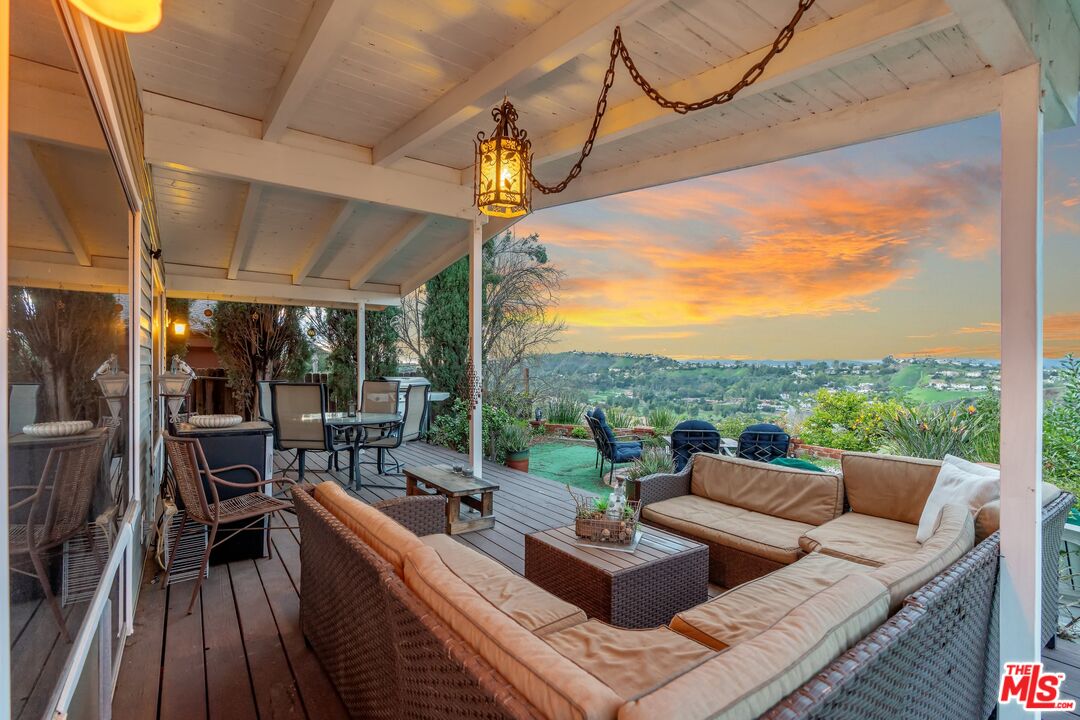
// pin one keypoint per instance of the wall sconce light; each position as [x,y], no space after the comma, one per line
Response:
[179,328]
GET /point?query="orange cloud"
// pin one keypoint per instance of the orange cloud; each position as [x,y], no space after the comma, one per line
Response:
[1061,336]
[664,335]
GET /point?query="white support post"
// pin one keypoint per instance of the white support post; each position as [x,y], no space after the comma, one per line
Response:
[361,352]
[476,309]
[1021,371]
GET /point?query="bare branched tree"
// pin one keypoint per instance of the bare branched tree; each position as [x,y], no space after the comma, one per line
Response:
[409,322]
[520,289]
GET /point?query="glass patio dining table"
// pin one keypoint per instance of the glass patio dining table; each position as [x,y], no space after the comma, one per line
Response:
[364,420]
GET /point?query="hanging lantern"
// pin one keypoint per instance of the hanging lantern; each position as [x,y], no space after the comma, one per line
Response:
[501,182]
[130,16]
[311,332]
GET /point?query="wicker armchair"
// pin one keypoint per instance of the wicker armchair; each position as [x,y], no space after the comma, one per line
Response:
[189,466]
[59,509]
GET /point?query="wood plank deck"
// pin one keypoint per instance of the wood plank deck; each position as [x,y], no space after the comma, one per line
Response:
[241,654]
[1064,657]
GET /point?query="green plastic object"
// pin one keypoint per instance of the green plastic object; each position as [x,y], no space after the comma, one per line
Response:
[797,463]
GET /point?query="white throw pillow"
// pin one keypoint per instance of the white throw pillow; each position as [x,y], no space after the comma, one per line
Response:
[959,482]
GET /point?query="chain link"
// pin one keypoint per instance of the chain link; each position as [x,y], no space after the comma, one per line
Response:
[620,51]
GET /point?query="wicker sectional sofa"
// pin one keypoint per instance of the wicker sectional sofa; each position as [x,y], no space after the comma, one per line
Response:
[410,623]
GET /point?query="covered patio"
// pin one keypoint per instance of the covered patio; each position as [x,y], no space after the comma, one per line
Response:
[321,154]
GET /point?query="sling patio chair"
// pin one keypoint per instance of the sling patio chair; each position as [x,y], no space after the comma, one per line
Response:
[289,404]
[59,509]
[385,439]
[192,476]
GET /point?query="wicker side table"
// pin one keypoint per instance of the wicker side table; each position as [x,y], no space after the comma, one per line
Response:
[664,576]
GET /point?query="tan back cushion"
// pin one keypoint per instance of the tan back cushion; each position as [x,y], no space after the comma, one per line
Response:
[954,536]
[888,486]
[383,534]
[800,495]
[552,683]
[746,680]
[529,605]
[988,519]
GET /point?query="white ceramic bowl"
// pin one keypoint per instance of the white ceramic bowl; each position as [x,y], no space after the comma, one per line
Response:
[215,421]
[63,428]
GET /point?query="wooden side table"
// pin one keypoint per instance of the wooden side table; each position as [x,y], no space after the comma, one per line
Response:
[665,575]
[472,492]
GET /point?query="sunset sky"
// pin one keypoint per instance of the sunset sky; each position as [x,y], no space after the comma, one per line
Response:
[885,248]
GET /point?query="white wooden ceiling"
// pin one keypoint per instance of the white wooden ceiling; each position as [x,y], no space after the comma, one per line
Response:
[68,212]
[329,143]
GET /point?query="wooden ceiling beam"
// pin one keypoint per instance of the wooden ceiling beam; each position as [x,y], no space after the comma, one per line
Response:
[51,104]
[190,146]
[245,231]
[44,189]
[868,29]
[329,26]
[996,33]
[458,250]
[577,27]
[326,235]
[402,236]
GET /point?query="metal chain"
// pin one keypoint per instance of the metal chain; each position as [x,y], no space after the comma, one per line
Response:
[619,50]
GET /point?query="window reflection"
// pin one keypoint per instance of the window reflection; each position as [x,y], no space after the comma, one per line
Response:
[68,380]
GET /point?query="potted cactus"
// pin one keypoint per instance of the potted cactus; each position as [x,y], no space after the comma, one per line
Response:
[515,443]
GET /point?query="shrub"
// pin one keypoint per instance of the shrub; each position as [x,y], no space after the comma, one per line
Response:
[934,431]
[732,426]
[653,460]
[1061,432]
[849,420]
[620,417]
[451,429]
[565,410]
[580,433]
[662,420]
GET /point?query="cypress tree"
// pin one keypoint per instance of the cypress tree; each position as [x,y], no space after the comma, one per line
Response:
[446,328]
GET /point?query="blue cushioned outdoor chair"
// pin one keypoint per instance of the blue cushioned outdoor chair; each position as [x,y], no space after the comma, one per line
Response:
[692,436]
[763,442]
[617,450]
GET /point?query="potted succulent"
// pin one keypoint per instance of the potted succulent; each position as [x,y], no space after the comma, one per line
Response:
[515,443]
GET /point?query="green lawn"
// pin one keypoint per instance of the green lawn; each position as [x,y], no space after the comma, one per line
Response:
[907,378]
[567,463]
[929,396]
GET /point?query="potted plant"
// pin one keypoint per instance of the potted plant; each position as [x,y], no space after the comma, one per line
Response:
[515,443]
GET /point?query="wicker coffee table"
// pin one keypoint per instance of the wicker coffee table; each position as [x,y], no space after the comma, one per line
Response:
[664,576]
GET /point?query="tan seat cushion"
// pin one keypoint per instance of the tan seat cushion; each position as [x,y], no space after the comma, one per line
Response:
[954,536]
[888,486]
[744,681]
[552,683]
[762,535]
[630,662]
[988,519]
[532,607]
[863,538]
[755,606]
[384,535]
[800,495]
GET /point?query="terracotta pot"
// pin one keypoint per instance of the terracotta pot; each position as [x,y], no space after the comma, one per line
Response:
[518,461]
